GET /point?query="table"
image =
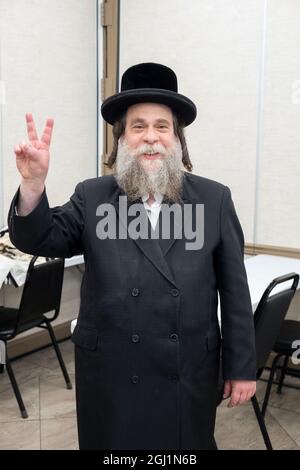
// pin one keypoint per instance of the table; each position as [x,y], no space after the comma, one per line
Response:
[15,270]
[262,269]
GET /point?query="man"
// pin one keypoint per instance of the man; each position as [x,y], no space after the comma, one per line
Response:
[147,340]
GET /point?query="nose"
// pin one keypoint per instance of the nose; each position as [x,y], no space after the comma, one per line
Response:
[150,135]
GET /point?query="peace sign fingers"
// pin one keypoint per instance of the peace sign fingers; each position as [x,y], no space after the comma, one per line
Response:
[31,130]
[46,137]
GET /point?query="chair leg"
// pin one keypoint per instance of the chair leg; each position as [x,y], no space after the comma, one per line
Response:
[269,385]
[282,375]
[261,423]
[16,388]
[59,356]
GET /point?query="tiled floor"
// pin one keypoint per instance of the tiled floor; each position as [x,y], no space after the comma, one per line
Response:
[51,407]
[52,416]
[237,428]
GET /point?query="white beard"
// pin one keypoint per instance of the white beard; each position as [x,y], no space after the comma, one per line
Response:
[137,177]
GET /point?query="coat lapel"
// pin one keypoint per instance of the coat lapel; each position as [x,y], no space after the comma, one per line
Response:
[167,243]
[150,247]
[155,247]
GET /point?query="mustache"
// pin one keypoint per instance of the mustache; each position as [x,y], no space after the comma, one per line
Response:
[147,148]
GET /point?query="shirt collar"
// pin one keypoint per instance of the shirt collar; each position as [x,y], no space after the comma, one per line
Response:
[157,196]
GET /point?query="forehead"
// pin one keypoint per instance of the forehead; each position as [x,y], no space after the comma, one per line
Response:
[149,111]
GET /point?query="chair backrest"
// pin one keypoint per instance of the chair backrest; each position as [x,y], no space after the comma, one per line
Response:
[269,315]
[41,292]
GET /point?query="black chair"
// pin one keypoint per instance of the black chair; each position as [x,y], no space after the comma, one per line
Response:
[268,319]
[41,295]
[284,349]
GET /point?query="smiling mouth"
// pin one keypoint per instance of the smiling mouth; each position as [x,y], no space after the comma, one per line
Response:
[151,156]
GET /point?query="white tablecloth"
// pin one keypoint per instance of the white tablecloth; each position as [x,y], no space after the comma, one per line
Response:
[18,269]
[262,269]
[6,265]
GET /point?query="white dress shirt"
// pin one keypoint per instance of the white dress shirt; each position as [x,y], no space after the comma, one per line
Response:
[153,210]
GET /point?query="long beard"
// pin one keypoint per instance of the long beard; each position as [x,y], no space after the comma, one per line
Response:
[136,177]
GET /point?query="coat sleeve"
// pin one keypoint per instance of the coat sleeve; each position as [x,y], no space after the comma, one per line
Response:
[237,324]
[55,232]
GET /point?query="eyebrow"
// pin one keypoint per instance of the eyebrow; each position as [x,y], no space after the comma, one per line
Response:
[143,121]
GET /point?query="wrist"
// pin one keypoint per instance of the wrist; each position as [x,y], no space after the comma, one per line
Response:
[32,186]
[29,196]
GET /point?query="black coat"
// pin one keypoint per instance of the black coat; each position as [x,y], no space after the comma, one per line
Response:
[147,338]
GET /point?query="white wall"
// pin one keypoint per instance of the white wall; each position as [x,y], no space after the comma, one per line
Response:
[48,66]
[238,61]
[279,169]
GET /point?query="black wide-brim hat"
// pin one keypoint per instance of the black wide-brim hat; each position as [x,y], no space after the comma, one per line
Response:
[149,83]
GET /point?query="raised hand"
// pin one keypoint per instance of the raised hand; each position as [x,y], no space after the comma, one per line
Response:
[32,157]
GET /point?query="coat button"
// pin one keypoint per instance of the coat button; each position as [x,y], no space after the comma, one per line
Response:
[175,292]
[174,337]
[135,338]
[135,292]
[135,379]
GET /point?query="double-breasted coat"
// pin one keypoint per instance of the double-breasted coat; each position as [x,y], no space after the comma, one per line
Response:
[147,340]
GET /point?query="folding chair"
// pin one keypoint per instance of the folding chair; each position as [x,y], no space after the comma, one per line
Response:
[41,295]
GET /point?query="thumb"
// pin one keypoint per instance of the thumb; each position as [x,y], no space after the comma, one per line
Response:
[227,389]
[30,151]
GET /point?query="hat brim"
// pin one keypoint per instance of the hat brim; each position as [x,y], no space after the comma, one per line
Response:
[113,107]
